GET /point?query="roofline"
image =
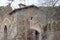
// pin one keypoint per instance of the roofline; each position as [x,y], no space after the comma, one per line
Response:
[22,9]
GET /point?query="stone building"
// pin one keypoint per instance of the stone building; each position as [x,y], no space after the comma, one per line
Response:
[23,24]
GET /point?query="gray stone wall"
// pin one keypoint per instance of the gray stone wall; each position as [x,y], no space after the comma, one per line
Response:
[18,23]
[23,17]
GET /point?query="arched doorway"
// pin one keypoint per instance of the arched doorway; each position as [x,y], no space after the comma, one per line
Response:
[5,32]
[33,35]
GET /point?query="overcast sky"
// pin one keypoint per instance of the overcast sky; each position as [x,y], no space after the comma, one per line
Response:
[26,2]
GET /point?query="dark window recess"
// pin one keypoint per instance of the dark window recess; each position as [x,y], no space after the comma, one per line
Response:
[33,35]
[5,33]
[37,35]
[31,18]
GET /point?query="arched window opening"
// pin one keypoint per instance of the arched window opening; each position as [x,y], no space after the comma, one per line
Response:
[37,35]
[33,35]
[5,32]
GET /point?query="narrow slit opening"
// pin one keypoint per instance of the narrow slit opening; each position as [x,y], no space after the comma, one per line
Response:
[5,32]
